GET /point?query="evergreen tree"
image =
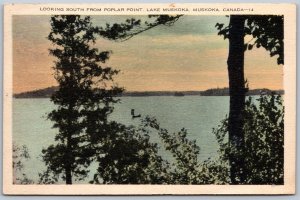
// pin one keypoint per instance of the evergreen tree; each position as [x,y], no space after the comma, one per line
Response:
[83,101]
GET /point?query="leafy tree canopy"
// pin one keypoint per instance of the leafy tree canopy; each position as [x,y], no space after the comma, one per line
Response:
[266,30]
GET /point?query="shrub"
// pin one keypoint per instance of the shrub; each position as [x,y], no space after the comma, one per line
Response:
[264,141]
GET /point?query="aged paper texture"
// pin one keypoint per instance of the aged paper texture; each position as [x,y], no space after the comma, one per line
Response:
[149,99]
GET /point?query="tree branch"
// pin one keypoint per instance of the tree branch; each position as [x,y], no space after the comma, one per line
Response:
[132,27]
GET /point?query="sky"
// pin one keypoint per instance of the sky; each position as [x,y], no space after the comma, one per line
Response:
[186,56]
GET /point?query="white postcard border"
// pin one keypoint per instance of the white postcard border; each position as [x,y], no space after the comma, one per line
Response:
[289,12]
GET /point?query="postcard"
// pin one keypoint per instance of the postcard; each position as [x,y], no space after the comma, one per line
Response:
[149,99]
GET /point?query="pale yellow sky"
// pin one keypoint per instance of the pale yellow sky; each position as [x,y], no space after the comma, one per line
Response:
[187,56]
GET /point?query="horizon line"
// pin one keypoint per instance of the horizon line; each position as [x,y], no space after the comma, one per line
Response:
[159,90]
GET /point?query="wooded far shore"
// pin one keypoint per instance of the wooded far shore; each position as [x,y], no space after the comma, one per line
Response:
[47,92]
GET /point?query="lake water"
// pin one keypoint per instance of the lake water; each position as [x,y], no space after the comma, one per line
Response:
[198,114]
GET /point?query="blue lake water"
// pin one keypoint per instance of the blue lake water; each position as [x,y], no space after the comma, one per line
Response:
[198,114]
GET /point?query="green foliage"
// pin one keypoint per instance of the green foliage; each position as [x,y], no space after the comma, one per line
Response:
[266,31]
[83,100]
[184,166]
[264,141]
[128,157]
[20,155]
[184,153]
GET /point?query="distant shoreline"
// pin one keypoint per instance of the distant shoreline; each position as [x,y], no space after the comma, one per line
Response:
[47,92]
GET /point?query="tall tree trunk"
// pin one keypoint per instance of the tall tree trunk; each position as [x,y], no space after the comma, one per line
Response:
[69,157]
[237,92]
[68,161]
[69,151]
[68,176]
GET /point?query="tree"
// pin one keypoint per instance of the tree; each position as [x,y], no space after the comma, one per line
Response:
[266,30]
[185,165]
[126,156]
[263,139]
[237,93]
[129,157]
[83,101]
